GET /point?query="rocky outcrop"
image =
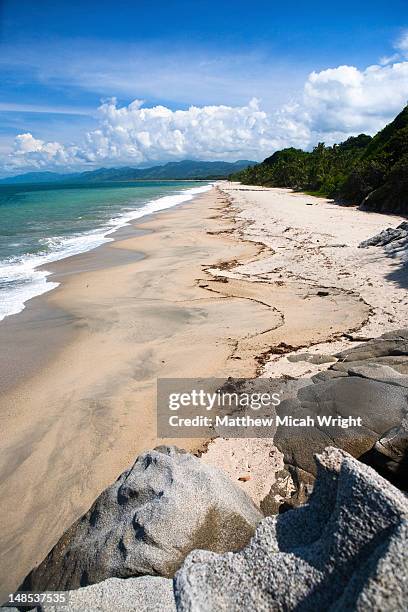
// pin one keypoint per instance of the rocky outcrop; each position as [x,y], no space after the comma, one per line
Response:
[352,532]
[377,371]
[380,406]
[391,235]
[399,363]
[344,550]
[166,505]
[389,456]
[315,358]
[393,343]
[368,381]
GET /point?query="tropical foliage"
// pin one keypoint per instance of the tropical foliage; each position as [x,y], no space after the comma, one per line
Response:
[362,170]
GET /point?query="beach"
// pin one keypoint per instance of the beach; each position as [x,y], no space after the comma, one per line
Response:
[229,284]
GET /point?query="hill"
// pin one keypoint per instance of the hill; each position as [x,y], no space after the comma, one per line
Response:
[370,172]
[187,169]
[34,177]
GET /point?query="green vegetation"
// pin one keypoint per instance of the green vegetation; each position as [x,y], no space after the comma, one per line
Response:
[372,172]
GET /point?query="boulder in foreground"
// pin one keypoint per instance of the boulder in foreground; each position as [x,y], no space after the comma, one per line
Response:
[168,504]
[346,549]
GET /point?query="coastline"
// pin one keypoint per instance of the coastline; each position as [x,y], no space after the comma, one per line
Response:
[26,274]
[80,417]
[85,409]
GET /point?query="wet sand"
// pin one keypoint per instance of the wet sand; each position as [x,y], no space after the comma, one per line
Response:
[80,364]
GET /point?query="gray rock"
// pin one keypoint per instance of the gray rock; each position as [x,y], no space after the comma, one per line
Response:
[311,358]
[166,505]
[391,343]
[387,236]
[381,406]
[379,372]
[287,492]
[326,375]
[395,442]
[345,550]
[144,594]
[396,362]
[376,371]
[399,363]
[389,455]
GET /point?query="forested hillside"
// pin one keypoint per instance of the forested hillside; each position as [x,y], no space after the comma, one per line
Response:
[371,172]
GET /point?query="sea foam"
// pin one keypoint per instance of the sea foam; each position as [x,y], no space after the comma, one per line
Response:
[20,278]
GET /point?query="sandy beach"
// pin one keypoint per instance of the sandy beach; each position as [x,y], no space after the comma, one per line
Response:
[229,284]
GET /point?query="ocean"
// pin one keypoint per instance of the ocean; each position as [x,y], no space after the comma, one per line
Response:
[43,223]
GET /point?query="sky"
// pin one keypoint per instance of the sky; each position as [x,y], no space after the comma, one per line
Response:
[90,84]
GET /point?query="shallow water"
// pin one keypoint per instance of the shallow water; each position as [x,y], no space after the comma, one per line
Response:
[43,223]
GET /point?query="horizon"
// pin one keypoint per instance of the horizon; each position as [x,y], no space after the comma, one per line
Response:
[140,167]
[141,86]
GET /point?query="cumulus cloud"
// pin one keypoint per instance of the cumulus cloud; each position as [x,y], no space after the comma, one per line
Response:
[148,134]
[343,101]
[134,134]
[334,104]
[33,152]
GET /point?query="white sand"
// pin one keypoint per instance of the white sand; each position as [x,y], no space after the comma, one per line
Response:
[312,244]
[318,245]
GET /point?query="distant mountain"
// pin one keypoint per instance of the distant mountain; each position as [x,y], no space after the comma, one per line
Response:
[371,172]
[187,169]
[34,177]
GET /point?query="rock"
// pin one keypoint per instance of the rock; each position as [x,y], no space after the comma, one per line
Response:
[395,442]
[166,505]
[326,375]
[387,236]
[345,550]
[281,491]
[311,358]
[380,406]
[389,455]
[379,372]
[397,363]
[144,594]
[375,371]
[391,343]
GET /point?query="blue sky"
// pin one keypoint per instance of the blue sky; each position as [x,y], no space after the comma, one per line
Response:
[59,61]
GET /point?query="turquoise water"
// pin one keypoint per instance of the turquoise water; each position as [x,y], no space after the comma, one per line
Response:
[44,223]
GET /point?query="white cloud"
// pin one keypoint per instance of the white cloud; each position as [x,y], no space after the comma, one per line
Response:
[134,134]
[335,103]
[402,43]
[401,47]
[342,101]
[35,153]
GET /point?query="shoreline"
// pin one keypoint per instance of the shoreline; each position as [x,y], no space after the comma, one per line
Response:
[39,265]
[77,421]
[84,413]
